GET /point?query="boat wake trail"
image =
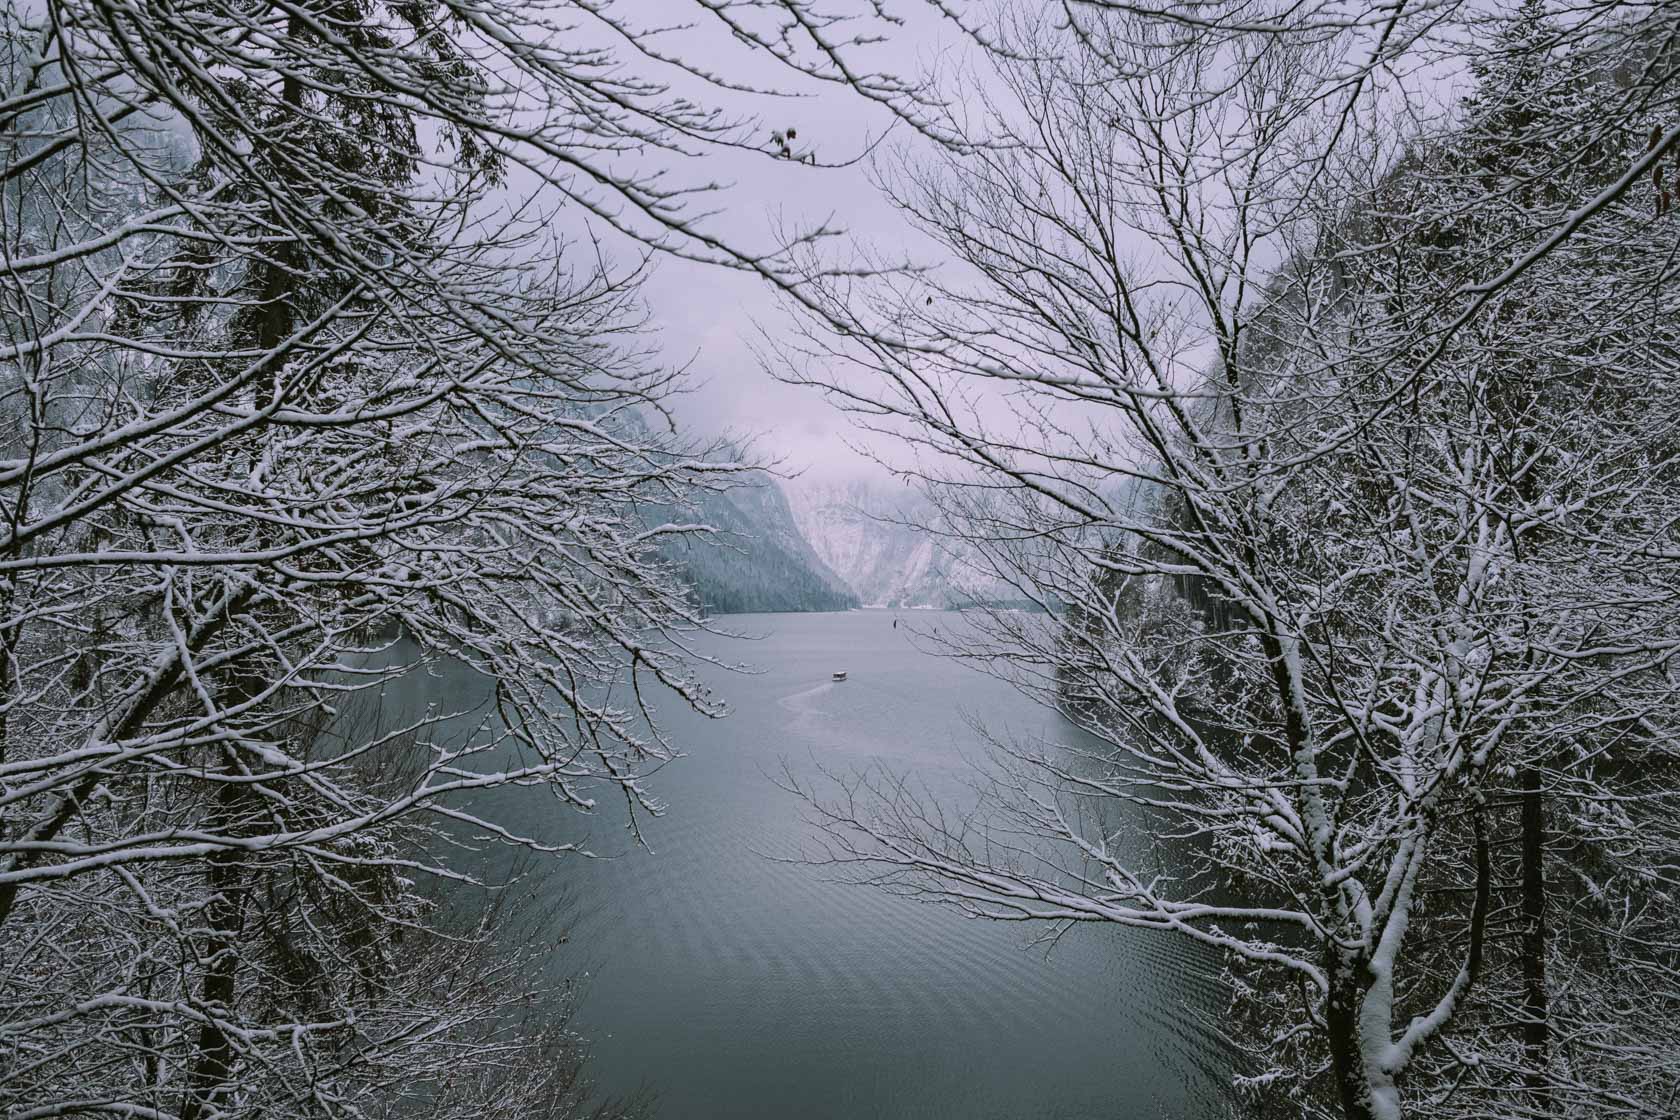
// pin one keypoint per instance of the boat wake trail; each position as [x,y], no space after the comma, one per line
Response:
[800,701]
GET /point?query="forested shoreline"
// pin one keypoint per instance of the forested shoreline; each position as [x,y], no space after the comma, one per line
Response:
[1354,494]
[1308,371]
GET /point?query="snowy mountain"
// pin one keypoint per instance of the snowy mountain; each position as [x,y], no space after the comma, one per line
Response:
[866,533]
[759,561]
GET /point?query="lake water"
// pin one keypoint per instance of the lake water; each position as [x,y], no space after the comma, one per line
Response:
[738,986]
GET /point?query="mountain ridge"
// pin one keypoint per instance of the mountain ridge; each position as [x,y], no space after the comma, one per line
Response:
[871,536]
[758,560]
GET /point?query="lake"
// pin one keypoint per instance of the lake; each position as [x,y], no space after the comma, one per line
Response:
[735,985]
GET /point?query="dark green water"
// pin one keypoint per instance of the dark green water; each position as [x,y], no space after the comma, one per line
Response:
[739,986]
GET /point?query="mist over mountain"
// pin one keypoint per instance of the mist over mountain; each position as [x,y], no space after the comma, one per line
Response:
[869,534]
[759,561]
[824,546]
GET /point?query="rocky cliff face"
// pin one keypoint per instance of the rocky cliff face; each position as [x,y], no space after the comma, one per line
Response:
[814,546]
[867,534]
[759,561]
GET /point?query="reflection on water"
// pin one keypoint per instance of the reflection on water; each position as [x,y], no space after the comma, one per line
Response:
[739,986]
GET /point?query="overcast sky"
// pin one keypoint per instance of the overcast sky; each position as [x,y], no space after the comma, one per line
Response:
[709,316]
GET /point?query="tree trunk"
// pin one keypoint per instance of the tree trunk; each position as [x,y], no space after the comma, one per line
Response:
[1484,891]
[213,1058]
[234,812]
[1536,1025]
[1341,1022]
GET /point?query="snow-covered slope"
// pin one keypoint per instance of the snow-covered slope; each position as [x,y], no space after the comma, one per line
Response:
[759,561]
[858,529]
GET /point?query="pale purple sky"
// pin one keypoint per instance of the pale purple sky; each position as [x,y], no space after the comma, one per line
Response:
[713,316]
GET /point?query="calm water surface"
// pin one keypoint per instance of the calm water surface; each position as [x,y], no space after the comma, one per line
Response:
[738,986]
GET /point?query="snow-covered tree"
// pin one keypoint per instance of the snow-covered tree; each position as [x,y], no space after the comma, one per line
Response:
[1342,451]
[304,390]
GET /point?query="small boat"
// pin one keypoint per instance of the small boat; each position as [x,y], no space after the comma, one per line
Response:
[841,675]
